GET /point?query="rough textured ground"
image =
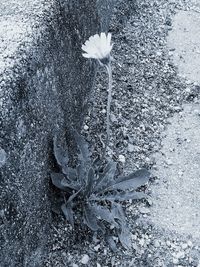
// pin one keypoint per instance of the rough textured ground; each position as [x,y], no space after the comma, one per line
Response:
[18,20]
[177,196]
[178,164]
[44,87]
[184,40]
[147,91]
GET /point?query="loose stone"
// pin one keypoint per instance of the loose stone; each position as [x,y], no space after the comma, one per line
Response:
[85,259]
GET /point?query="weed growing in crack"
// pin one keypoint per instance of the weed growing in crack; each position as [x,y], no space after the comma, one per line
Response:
[93,192]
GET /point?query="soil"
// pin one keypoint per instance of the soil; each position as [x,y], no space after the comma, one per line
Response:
[147,91]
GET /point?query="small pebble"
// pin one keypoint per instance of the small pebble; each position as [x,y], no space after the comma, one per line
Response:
[190,244]
[134,237]
[180,255]
[85,259]
[2,157]
[142,242]
[187,90]
[96,248]
[156,243]
[188,82]
[113,118]
[122,158]
[85,127]
[144,210]
[197,112]
[159,54]
[184,246]
[175,261]
[130,148]
[169,162]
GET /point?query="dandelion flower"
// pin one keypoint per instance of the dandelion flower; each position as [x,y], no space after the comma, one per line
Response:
[98,47]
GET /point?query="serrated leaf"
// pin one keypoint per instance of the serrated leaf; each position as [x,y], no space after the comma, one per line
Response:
[125,237]
[90,218]
[124,233]
[132,181]
[122,196]
[61,155]
[104,214]
[119,214]
[57,180]
[107,177]
[68,212]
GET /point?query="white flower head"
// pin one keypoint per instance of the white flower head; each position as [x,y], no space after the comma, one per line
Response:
[98,47]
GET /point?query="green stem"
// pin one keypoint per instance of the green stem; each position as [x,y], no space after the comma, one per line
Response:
[109,70]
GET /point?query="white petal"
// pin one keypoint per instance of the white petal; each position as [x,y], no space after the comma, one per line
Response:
[89,47]
[90,55]
[93,36]
[109,38]
[103,42]
[93,50]
[109,48]
[86,55]
[103,37]
[84,47]
[93,39]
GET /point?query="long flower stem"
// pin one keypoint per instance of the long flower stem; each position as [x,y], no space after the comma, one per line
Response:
[109,70]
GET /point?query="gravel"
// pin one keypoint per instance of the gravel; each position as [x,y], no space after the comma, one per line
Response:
[147,90]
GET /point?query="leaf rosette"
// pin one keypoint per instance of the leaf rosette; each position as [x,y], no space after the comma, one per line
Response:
[97,193]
